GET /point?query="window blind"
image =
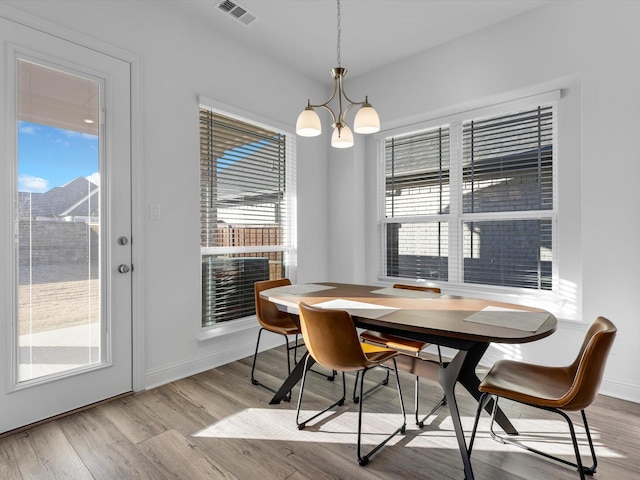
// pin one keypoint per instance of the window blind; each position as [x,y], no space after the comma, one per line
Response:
[244,216]
[508,253]
[417,184]
[417,173]
[508,162]
[508,167]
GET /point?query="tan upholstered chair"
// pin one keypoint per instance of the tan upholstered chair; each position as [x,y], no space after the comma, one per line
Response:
[556,389]
[405,346]
[332,341]
[275,321]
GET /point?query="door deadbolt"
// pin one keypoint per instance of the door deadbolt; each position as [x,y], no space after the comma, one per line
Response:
[123,240]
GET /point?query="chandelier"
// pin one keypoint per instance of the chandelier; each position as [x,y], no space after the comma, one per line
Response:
[366,120]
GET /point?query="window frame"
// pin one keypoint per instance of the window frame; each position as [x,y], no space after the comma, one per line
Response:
[456,217]
[288,248]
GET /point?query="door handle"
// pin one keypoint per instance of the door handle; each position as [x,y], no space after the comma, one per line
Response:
[124,268]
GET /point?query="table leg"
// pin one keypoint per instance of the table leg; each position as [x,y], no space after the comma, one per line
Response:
[463,369]
[448,377]
[292,379]
[470,381]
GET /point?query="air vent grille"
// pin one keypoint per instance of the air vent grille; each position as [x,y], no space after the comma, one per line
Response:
[236,11]
[226,6]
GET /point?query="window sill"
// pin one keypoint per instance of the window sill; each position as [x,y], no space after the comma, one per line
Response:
[226,328]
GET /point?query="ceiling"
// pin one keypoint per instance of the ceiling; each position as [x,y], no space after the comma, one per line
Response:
[301,34]
[298,34]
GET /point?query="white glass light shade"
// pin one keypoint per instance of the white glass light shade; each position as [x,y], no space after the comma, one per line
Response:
[367,120]
[342,138]
[308,123]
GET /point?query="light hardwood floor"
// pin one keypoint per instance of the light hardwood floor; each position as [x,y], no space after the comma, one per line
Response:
[216,425]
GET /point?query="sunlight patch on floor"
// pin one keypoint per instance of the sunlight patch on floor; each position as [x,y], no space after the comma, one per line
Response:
[340,427]
[332,427]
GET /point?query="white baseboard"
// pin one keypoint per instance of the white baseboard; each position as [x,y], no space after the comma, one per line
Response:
[619,389]
[170,373]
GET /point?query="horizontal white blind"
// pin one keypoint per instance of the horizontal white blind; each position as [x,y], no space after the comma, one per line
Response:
[418,250]
[242,178]
[243,212]
[508,162]
[417,173]
[508,166]
[227,286]
[508,253]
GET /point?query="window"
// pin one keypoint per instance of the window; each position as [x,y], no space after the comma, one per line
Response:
[471,200]
[246,212]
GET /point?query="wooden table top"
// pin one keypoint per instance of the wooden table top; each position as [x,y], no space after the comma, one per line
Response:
[431,317]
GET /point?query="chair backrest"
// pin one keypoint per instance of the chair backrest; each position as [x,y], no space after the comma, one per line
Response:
[416,287]
[331,338]
[587,369]
[266,311]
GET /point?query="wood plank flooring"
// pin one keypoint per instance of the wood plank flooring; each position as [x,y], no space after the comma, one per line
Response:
[217,425]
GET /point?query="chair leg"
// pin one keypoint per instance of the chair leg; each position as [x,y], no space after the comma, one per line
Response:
[254,381]
[592,469]
[286,339]
[364,459]
[356,398]
[331,377]
[482,403]
[295,351]
[382,382]
[582,470]
[255,357]
[443,401]
[338,403]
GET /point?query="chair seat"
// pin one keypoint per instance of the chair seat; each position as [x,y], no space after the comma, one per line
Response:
[367,348]
[533,384]
[285,330]
[373,357]
[283,325]
[393,341]
[377,355]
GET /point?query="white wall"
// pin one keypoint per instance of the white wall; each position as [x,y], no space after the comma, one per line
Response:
[181,60]
[590,50]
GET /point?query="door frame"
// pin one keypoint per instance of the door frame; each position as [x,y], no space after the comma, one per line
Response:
[137,207]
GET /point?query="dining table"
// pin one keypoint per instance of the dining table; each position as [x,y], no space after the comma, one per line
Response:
[466,325]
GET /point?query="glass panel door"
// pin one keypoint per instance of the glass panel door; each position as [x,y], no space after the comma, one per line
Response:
[59,307]
[65,226]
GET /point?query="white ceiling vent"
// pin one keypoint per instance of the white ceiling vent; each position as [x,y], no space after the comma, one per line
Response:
[236,11]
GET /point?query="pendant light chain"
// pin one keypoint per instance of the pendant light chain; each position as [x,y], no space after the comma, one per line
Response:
[339,35]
